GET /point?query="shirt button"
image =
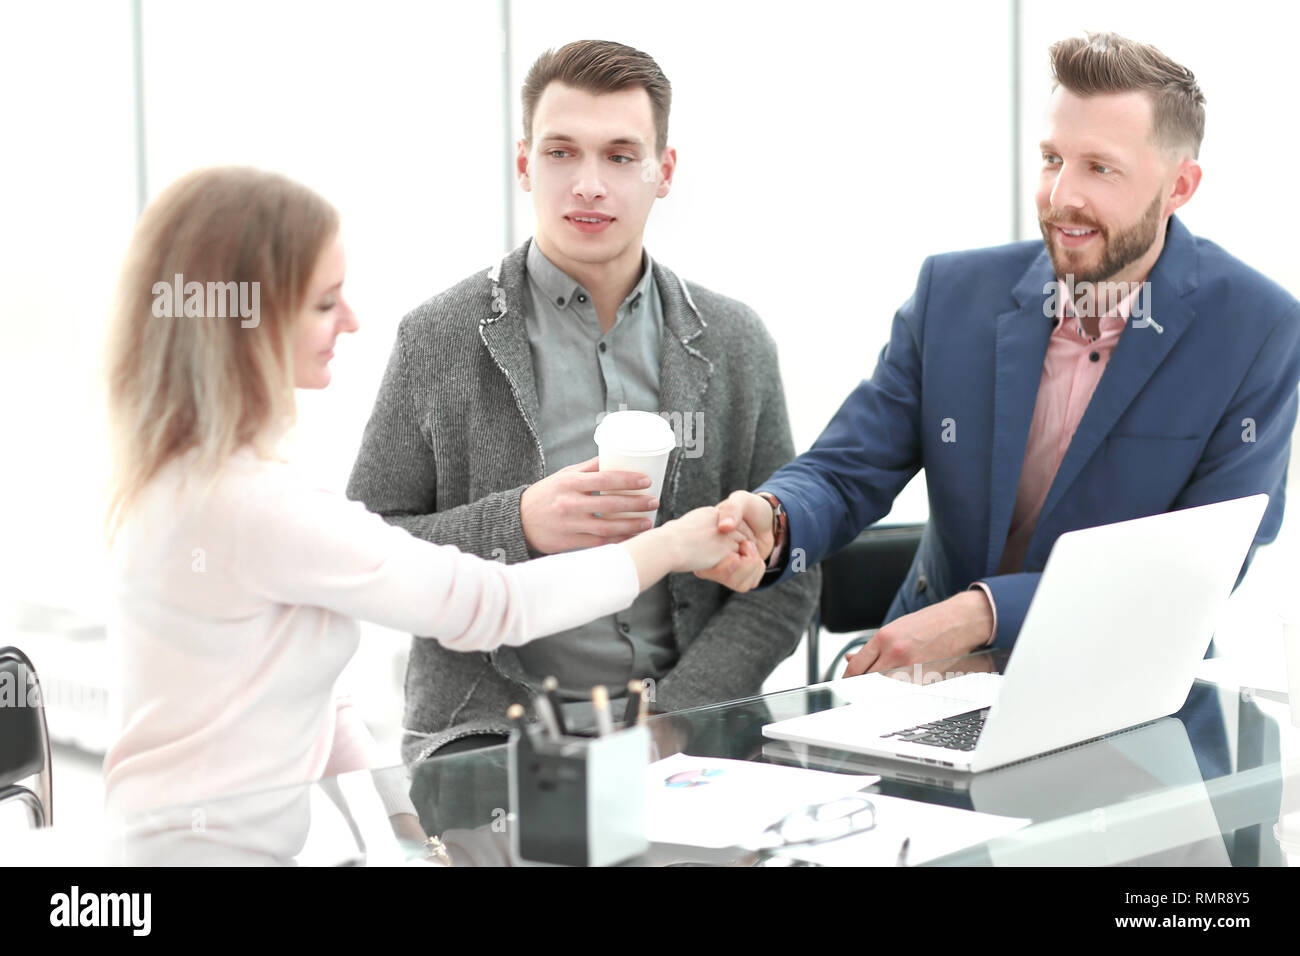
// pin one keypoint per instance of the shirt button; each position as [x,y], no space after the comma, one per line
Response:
[602,346]
[920,584]
[625,627]
[1094,357]
[560,301]
[582,298]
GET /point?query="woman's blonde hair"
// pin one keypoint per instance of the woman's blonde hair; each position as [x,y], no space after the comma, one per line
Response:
[212,382]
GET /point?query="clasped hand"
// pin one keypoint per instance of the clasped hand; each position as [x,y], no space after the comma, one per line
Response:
[750,516]
[957,626]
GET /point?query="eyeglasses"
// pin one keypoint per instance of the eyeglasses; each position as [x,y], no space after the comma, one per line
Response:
[813,825]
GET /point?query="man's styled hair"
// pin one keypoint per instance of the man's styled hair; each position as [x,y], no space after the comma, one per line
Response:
[599,66]
[1110,63]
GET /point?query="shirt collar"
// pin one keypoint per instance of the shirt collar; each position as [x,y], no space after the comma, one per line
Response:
[1114,319]
[561,289]
[642,287]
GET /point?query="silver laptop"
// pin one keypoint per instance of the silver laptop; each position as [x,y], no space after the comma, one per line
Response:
[1120,620]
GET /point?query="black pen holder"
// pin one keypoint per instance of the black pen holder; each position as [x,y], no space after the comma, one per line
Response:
[578,801]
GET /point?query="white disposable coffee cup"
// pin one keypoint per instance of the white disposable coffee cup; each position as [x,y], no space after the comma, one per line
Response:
[636,441]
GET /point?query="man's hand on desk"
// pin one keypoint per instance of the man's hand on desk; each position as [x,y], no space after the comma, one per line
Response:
[752,516]
[957,626]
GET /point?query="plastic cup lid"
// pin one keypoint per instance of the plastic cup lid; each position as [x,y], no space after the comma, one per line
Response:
[635,433]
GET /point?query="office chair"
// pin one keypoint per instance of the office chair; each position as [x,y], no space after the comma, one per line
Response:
[24,738]
[858,584]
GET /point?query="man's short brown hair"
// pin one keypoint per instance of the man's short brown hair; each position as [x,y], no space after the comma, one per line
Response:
[599,66]
[1109,63]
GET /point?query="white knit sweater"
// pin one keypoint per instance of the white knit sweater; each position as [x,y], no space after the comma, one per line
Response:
[235,613]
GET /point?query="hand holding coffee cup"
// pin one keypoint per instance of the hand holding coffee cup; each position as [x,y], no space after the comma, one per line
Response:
[641,442]
[562,511]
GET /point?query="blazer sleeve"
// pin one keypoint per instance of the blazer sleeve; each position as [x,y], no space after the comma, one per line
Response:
[850,477]
[396,476]
[1231,466]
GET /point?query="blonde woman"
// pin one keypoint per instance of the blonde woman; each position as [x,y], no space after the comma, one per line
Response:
[239,580]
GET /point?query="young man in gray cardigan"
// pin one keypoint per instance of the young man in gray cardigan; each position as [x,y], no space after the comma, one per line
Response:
[481,436]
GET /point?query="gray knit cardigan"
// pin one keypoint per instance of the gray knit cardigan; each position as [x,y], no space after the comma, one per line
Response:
[452,444]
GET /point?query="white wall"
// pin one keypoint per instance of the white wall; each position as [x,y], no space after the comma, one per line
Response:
[67,168]
[390,110]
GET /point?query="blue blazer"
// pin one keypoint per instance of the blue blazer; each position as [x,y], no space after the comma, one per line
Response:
[1200,411]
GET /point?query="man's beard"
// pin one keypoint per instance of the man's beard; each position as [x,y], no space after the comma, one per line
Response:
[1121,250]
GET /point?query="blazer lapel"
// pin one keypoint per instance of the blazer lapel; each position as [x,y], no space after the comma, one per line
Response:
[684,368]
[506,338]
[1137,355]
[1022,336]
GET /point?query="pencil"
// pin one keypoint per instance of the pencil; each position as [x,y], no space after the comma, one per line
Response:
[516,714]
[551,687]
[635,690]
[546,714]
[600,703]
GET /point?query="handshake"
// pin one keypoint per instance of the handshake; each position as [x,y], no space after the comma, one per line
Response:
[730,543]
[581,507]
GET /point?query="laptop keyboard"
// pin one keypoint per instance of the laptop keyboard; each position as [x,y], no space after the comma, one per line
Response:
[951,733]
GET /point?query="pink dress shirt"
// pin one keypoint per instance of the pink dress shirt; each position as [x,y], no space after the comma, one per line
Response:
[1071,370]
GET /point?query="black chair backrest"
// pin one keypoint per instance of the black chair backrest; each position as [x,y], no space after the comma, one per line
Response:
[860,580]
[22,748]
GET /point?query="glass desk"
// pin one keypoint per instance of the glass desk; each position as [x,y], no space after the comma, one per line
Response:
[1207,786]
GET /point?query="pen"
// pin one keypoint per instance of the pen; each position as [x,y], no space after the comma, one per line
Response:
[600,703]
[902,852]
[546,714]
[516,714]
[635,691]
[551,687]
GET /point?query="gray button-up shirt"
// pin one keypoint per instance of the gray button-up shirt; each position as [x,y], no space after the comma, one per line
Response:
[580,373]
